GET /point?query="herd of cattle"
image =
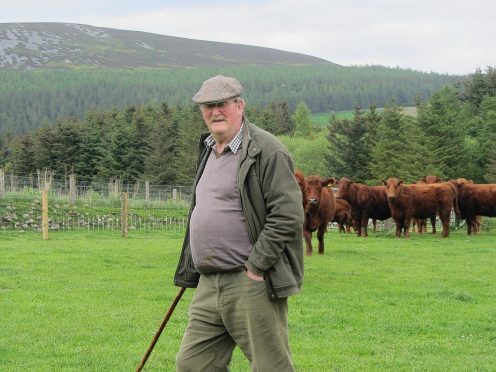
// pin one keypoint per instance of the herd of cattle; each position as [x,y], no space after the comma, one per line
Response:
[354,203]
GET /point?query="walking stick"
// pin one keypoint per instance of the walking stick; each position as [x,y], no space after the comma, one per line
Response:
[160,329]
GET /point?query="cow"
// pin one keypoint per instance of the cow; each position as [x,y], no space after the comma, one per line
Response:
[431,179]
[475,200]
[342,216]
[419,201]
[365,202]
[422,223]
[320,210]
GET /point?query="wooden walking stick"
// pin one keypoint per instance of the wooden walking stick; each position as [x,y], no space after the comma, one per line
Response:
[160,329]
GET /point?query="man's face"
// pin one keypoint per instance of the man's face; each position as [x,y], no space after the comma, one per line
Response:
[223,119]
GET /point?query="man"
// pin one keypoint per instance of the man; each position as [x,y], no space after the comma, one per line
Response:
[243,248]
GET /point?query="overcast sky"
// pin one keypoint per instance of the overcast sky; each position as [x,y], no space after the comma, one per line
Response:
[445,36]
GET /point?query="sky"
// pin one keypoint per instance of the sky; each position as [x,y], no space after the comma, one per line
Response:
[444,36]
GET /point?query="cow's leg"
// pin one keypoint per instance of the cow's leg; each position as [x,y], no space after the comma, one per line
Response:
[433,223]
[423,225]
[399,226]
[320,236]
[358,223]
[445,219]
[471,227]
[365,221]
[308,240]
[406,227]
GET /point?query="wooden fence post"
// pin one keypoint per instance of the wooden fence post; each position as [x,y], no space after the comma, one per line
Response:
[2,183]
[44,213]
[124,209]
[72,188]
[147,190]
[12,182]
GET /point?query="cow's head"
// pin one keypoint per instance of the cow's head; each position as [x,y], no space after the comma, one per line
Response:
[314,188]
[343,186]
[460,183]
[392,186]
[430,179]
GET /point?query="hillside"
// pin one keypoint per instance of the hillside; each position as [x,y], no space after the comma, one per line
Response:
[54,45]
[51,71]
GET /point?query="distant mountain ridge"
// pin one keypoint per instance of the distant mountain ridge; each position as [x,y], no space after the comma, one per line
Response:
[53,45]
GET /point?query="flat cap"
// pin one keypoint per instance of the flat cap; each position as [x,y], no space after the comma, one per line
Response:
[217,89]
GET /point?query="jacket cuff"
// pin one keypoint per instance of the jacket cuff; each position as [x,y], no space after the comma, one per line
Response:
[253,269]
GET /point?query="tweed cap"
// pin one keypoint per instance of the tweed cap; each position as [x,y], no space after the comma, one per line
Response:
[218,89]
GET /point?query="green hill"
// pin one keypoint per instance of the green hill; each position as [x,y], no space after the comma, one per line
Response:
[51,71]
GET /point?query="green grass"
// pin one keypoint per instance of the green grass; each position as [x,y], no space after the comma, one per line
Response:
[322,118]
[94,301]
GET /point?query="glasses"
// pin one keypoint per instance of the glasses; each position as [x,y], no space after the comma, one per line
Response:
[221,106]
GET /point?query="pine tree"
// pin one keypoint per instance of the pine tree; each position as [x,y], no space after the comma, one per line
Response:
[303,121]
[397,152]
[440,122]
[350,145]
[92,148]
[24,155]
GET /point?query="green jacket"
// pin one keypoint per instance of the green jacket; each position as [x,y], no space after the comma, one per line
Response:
[271,202]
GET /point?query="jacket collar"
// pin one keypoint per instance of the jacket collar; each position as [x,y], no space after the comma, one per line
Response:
[250,147]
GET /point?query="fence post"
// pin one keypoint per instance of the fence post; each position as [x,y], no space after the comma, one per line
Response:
[12,182]
[2,183]
[147,190]
[72,188]
[174,194]
[124,209]
[44,213]
[116,187]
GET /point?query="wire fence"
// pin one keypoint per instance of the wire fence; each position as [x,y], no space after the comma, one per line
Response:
[96,206]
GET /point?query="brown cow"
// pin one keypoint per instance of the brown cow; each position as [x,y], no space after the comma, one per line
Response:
[430,179]
[420,201]
[365,202]
[475,200]
[342,216]
[320,210]
[422,223]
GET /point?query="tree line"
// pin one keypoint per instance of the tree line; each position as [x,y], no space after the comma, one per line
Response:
[157,143]
[453,135]
[30,99]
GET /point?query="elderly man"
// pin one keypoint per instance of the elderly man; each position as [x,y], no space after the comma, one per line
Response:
[243,247]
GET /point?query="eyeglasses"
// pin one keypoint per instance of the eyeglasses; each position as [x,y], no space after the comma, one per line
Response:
[221,106]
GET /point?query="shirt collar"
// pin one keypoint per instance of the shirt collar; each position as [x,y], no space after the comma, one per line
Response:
[234,144]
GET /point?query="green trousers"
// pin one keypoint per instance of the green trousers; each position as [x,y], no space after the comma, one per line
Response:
[230,309]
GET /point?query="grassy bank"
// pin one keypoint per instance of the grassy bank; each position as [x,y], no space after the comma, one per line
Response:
[93,301]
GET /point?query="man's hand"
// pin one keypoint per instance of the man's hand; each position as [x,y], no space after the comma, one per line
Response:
[255,277]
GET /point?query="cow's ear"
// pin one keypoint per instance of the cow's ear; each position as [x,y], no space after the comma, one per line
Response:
[423,179]
[439,180]
[327,182]
[400,182]
[384,182]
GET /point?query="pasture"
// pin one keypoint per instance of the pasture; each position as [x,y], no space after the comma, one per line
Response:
[92,301]
[322,118]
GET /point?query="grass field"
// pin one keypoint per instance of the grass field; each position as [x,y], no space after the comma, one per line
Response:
[93,302]
[322,118]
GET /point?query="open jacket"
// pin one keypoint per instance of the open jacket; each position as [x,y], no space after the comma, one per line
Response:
[271,203]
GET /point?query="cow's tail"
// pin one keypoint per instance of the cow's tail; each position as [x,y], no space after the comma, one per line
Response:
[455,200]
